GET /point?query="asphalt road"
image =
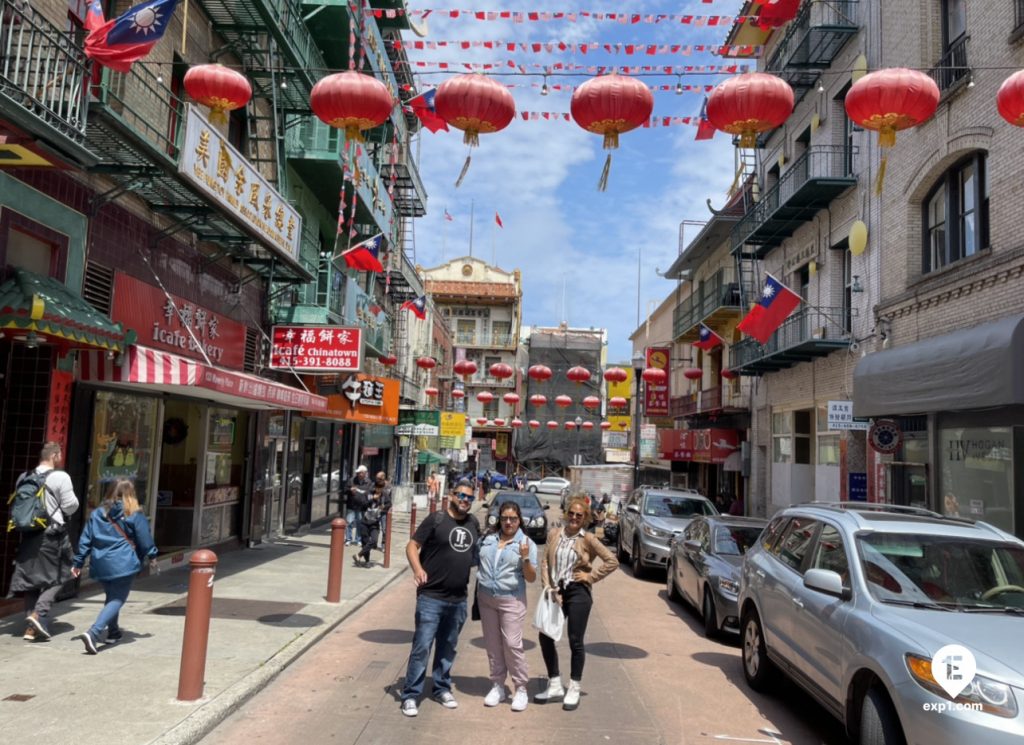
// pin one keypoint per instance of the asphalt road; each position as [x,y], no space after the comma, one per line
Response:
[651,677]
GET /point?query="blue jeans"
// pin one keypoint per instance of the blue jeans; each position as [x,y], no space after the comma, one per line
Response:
[438,623]
[352,519]
[117,595]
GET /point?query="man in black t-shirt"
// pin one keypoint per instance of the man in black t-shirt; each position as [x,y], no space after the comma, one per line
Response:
[441,553]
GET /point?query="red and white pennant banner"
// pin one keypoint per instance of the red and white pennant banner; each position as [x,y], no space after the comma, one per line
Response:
[591,69]
[654,121]
[559,88]
[552,47]
[535,16]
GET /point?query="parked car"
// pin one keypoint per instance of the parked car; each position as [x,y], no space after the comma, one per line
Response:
[651,516]
[535,522]
[704,567]
[497,479]
[854,600]
[550,485]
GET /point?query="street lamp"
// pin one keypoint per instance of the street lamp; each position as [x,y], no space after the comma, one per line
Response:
[639,360]
[579,422]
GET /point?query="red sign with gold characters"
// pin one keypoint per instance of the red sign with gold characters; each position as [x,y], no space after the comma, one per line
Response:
[656,396]
[313,349]
[698,445]
[59,412]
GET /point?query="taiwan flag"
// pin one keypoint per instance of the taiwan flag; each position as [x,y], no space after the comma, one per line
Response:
[423,107]
[497,219]
[776,303]
[418,306]
[119,43]
[708,339]
[364,256]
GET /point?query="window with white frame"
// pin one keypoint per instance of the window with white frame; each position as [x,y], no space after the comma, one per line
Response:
[827,440]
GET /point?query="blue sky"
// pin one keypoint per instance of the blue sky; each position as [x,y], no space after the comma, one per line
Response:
[541,176]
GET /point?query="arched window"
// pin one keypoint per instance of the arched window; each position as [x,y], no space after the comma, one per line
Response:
[955,214]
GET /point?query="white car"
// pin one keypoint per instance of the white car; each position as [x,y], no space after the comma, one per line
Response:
[549,485]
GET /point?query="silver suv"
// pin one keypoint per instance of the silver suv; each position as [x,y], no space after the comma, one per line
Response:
[854,600]
[651,516]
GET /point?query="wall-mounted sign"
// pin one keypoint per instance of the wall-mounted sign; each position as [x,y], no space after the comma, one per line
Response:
[422,423]
[453,424]
[885,436]
[840,416]
[210,162]
[657,395]
[180,326]
[366,399]
[699,445]
[326,349]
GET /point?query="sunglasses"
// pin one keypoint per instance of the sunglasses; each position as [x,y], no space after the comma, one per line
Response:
[465,497]
[577,514]
[509,518]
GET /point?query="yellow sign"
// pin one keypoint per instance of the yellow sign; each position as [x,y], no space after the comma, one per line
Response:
[619,423]
[625,388]
[452,424]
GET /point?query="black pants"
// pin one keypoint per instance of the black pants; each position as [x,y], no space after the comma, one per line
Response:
[576,605]
[368,534]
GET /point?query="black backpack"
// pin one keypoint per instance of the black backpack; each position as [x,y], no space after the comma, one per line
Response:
[27,504]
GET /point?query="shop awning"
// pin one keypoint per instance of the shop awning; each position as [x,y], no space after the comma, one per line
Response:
[970,368]
[430,458]
[152,370]
[32,302]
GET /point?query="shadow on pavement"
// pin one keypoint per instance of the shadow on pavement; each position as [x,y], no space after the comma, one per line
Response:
[616,651]
[387,636]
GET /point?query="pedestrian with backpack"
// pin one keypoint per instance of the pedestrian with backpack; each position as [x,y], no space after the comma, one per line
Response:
[42,501]
[117,540]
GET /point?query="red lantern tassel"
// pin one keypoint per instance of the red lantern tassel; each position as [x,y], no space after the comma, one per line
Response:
[462,173]
[881,174]
[602,183]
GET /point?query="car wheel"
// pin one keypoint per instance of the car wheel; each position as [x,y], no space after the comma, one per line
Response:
[879,723]
[670,583]
[757,668]
[639,570]
[709,615]
[532,489]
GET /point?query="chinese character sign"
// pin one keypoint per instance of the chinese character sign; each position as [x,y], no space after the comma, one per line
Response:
[311,349]
[656,396]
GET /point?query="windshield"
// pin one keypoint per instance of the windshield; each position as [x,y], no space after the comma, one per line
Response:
[734,541]
[525,500]
[948,571]
[659,505]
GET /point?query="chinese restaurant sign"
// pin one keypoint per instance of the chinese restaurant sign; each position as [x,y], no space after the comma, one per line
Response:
[210,162]
[698,445]
[182,327]
[365,399]
[656,396]
[311,349]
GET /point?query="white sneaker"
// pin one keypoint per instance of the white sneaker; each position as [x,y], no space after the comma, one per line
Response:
[554,690]
[520,700]
[447,700]
[495,696]
[409,707]
[572,696]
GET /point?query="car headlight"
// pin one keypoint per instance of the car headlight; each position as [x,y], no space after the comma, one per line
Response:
[993,696]
[655,533]
[537,522]
[492,520]
[729,585]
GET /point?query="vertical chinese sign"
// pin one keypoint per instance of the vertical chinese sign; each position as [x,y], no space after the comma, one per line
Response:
[656,395]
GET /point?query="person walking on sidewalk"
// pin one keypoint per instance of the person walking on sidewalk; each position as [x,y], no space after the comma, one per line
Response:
[569,565]
[507,562]
[372,523]
[42,563]
[116,540]
[441,553]
[358,498]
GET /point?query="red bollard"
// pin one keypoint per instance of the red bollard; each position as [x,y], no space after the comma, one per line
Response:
[412,518]
[444,504]
[387,541]
[197,625]
[337,560]
[433,505]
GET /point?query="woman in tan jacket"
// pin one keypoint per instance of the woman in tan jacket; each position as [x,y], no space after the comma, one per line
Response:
[568,565]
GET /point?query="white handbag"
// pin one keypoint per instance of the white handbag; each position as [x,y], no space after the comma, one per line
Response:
[548,619]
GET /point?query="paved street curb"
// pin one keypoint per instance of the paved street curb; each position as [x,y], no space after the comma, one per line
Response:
[200,722]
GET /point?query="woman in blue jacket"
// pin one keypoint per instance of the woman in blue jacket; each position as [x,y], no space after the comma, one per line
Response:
[117,539]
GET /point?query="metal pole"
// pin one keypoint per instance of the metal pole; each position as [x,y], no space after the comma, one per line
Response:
[197,625]
[337,560]
[636,428]
[387,540]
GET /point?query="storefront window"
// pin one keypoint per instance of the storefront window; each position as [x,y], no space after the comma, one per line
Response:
[976,478]
[294,484]
[222,493]
[828,440]
[321,469]
[123,438]
[782,439]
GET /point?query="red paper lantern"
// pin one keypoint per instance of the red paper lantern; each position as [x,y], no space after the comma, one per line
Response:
[485,397]
[499,422]
[388,360]
[606,425]
[552,425]
[501,371]
[540,373]
[591,402]
[693,373]
[351,101]
[563,401]
[655,376]
[621,424]
[1010,99]
[426,363]
[534,424]
[219,87]
[729,374]
[748,104]
[570,424]
[587,425]
[538,399]
[616,375]
[431,392]
[475,104]
[578,374]
[458,393]
[617,402]
[511,398]
[482,420]
[516,423]
[465,368]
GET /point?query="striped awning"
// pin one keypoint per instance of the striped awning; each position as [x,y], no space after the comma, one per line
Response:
[152,370]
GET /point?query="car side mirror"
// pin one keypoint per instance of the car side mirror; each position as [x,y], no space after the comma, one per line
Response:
[484,505]
[692,545]
[633,508]
[547,506]
[826,581]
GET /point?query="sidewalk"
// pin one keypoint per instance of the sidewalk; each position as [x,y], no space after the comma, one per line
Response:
[269,608]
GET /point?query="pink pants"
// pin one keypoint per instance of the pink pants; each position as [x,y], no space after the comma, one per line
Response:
[502,618]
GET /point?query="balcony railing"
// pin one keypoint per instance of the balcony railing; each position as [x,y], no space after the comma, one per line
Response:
[710,399]
[952,68]
[42,71]
[464,339]
[721,291]
[682,405]
[816,35]
[813,332]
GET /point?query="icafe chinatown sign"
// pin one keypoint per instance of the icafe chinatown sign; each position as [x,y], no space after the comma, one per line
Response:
[312,349]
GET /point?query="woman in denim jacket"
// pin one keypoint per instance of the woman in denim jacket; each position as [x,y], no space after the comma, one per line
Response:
[508,561]
[116,539]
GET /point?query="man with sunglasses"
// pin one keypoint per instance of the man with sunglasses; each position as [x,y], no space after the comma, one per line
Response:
[441,553]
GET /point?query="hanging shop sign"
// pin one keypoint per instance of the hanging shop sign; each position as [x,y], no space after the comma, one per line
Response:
[656,395]
[618,456]
[699,445]
[885,436]
[212,164]
[648,441]
[840,416]
[453,424]
[419,422]
[170,323]
[312,349]
[364,398]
